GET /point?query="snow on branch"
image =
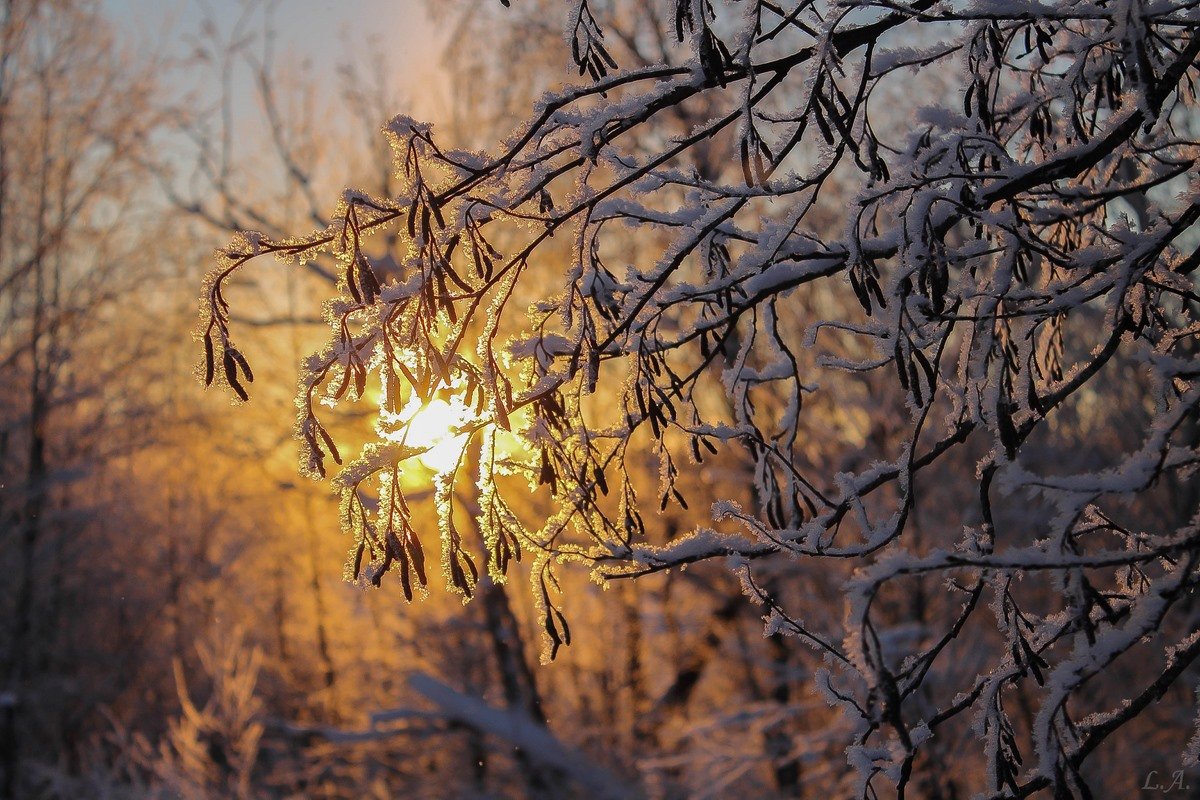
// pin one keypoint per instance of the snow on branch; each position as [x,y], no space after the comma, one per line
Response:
[886,299]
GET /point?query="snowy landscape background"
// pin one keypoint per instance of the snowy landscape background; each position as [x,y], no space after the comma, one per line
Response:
[595,398]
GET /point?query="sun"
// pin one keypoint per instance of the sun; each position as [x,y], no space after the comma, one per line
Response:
[435,425]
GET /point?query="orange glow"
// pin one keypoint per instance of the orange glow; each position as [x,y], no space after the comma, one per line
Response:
[435,425]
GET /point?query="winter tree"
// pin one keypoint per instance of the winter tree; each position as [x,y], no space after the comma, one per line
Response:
[75,117]
[934,337]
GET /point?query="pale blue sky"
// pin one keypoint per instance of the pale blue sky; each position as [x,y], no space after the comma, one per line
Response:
[320,32]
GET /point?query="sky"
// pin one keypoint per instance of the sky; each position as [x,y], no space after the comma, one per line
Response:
[323,33]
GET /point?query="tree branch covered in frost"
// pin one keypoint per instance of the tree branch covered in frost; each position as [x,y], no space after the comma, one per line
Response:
[563,766]
[523,732]
[997,278]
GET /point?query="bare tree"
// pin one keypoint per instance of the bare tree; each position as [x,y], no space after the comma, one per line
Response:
[974,372]
[73,120]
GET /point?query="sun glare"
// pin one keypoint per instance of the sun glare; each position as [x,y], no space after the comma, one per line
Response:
[434,425]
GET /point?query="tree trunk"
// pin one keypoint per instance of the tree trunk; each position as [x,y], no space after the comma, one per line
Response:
[30,518]
[503,631]
[328,670]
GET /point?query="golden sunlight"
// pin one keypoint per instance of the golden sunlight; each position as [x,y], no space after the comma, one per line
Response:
[435,425]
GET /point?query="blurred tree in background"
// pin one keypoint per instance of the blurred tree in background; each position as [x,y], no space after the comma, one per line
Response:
[74,121]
